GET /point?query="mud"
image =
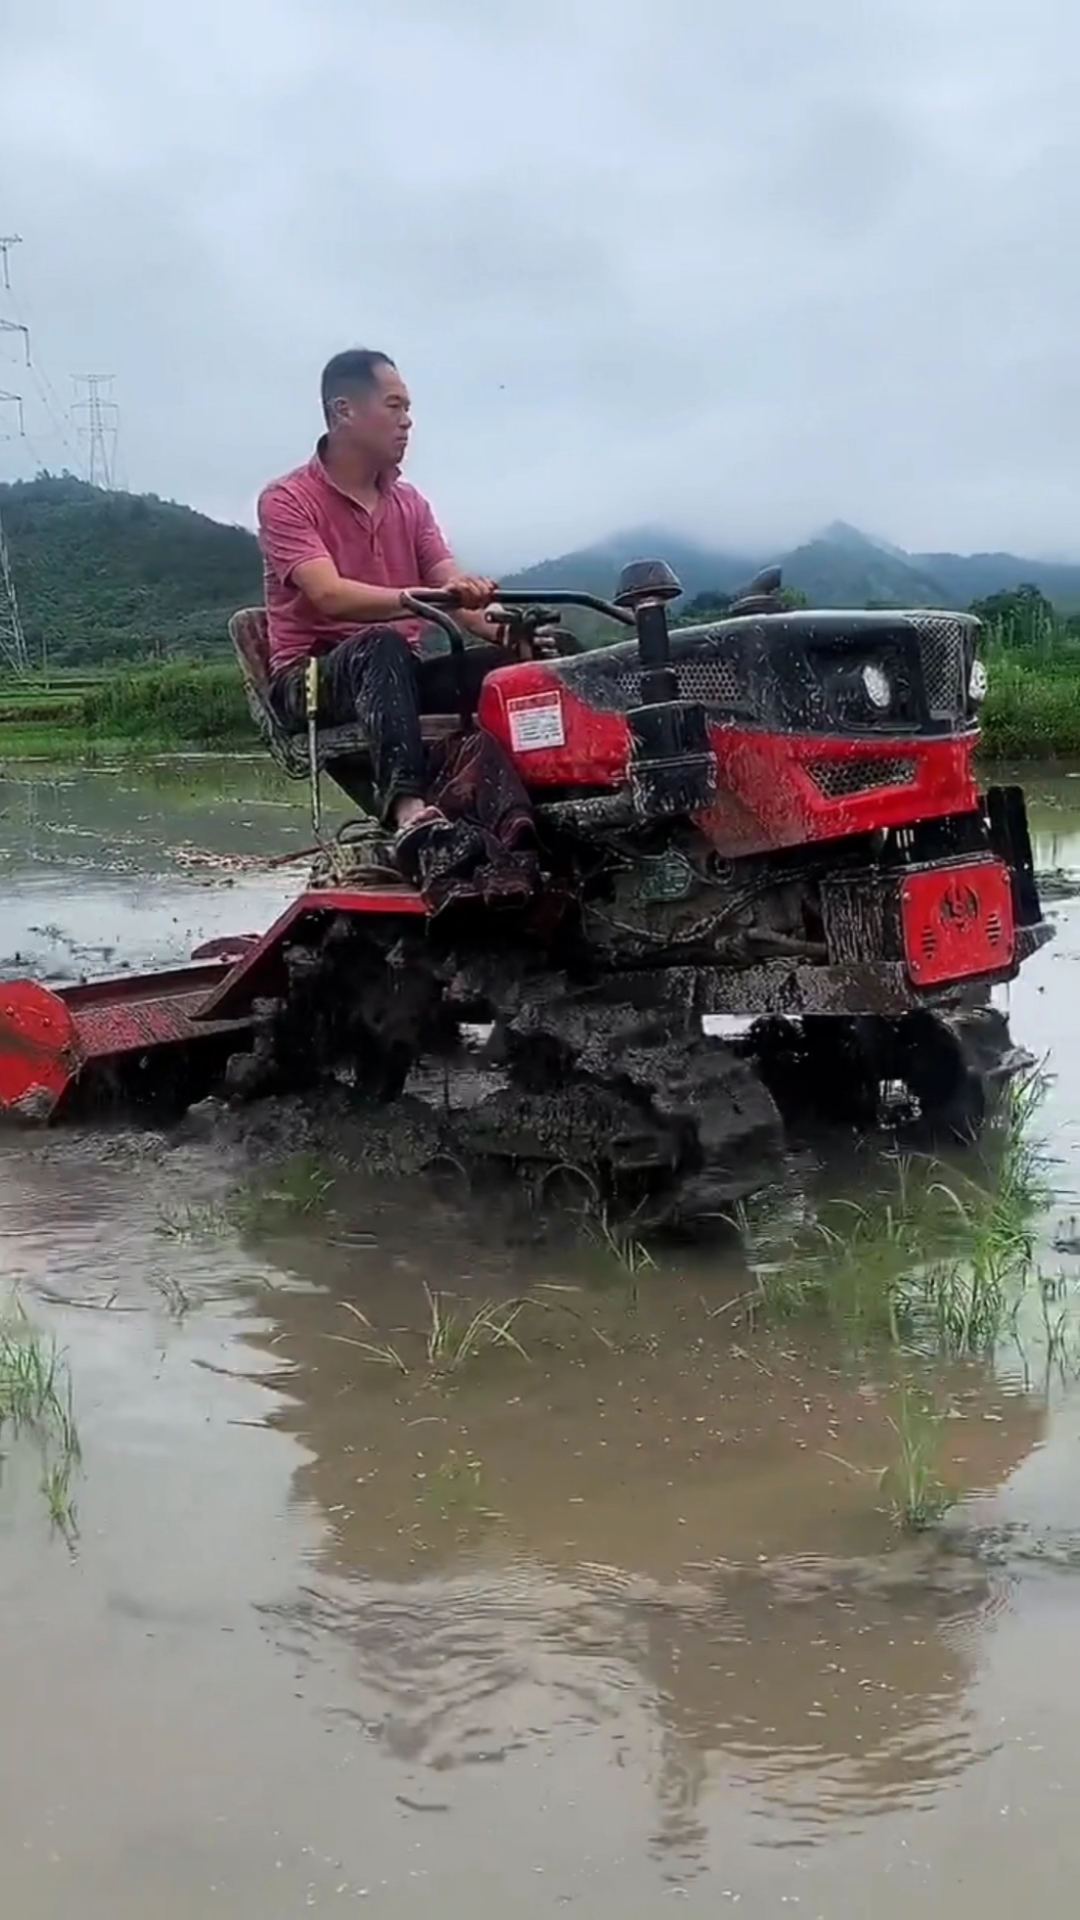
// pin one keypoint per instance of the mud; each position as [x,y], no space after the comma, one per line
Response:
[613,1619]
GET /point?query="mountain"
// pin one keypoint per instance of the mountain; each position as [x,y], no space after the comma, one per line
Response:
[839,567]
[595,569]
[975,576]
[843,572]
[121,576]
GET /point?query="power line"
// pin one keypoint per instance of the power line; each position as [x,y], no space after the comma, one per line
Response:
[47,393]
[102,427]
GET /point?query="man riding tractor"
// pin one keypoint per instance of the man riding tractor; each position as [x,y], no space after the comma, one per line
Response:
[344,540]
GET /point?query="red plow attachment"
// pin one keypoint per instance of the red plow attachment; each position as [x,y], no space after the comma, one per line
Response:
[157,1035]
[54,1038]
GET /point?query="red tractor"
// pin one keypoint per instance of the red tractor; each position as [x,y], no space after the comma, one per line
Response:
[774,816]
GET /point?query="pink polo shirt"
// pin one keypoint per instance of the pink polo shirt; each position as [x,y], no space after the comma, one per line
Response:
[305,516]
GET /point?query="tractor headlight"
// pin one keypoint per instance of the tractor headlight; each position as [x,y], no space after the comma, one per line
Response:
[978,683]
[878,689]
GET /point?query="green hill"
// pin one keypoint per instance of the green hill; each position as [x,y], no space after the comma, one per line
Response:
[121,576]
[843,568]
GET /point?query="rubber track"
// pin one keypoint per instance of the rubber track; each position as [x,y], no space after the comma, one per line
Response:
[641,1094]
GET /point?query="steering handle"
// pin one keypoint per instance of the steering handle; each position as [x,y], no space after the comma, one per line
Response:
[432,599]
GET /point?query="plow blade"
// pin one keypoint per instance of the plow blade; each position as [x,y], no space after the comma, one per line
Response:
[156,1037]
[53,1038]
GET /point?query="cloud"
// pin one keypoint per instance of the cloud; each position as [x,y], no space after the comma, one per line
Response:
[743,270]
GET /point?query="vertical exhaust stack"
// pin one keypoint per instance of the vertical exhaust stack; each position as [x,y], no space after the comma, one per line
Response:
[672,767]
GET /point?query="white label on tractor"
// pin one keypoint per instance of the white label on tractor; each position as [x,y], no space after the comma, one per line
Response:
[536,721]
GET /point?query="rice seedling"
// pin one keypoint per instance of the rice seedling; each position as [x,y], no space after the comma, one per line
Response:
[918,1498]
[296,1188]
[456,1335]
[941,1261]
[56,1488]
[174,1294]
[300,1185]
[630,1253]
[456,1486]
[378,1351]
[36,1403]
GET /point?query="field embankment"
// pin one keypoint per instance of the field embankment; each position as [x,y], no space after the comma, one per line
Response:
[1032,710]
[156,710]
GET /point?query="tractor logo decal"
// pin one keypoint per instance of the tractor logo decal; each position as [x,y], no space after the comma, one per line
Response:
[959,907]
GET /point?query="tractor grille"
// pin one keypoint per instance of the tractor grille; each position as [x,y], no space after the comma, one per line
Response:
[944,663]
[797,672]
[715,683]
[839,779]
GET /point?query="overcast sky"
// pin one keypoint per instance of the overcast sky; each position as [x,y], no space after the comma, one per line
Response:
[738,268]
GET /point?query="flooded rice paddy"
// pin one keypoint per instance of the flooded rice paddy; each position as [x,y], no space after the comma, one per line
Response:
[360,1553]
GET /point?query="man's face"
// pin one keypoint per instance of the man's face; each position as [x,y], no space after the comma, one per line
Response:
[377,423]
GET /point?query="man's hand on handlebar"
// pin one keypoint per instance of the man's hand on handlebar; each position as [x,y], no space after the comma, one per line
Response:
[471,591]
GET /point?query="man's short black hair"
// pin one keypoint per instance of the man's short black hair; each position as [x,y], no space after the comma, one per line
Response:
[351,372]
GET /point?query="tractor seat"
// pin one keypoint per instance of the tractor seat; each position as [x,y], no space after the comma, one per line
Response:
[250,637]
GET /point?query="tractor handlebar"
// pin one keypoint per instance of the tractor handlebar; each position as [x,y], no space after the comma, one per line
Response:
[436,598]
[645,587]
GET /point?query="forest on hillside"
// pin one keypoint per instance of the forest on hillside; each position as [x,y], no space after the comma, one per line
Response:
[120,577]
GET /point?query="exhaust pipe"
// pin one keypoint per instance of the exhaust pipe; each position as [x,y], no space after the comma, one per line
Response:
[672,767]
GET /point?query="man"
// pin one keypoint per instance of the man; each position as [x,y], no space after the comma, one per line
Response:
[342,537]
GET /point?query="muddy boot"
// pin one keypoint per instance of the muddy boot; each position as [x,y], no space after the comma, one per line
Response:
[432,849]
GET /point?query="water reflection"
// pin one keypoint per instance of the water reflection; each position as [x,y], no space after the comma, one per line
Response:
[675,1549]
[93,866]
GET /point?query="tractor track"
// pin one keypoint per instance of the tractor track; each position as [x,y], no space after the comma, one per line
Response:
[643,1101]
[614,1083]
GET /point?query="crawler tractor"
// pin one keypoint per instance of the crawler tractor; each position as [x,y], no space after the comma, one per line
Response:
[773,816]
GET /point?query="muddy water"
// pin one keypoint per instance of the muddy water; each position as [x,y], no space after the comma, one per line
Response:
[609,1622]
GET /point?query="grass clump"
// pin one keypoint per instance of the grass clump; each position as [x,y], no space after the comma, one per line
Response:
[302,1185]
[378,1351]
[940,1267]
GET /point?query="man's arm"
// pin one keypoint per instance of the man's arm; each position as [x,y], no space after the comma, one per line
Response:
[294,550]
[438,568]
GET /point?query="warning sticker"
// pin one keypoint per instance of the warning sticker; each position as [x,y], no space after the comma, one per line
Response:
[536,721]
